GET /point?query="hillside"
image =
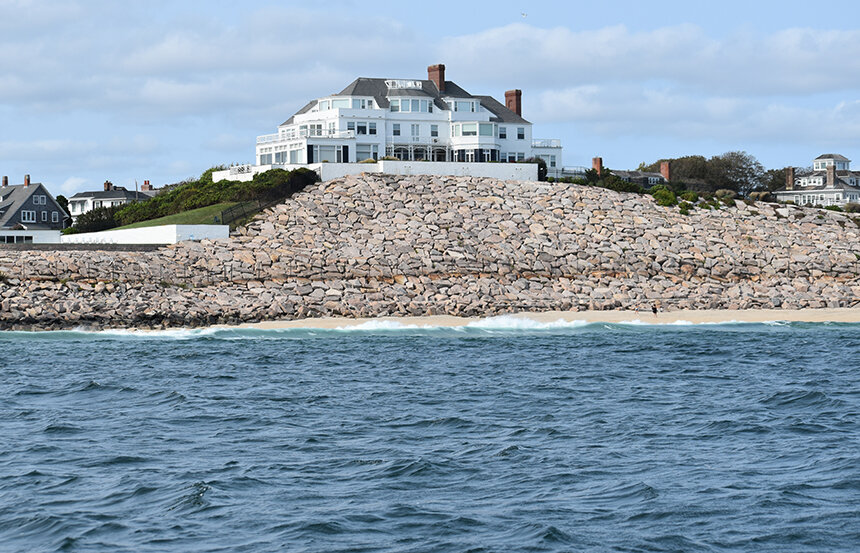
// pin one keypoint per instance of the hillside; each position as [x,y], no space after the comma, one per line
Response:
[376,245]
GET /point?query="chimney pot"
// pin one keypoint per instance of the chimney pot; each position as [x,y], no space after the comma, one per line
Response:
[5,181]
[436,73]
[597,165]
[789,178]
[514,101]
[664,170]
[108,186]
[26,180]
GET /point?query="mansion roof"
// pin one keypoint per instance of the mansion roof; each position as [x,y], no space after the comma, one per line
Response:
[378,89]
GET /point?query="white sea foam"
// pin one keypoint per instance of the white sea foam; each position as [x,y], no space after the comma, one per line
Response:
[510,322]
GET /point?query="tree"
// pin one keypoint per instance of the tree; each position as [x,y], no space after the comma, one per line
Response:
[773,179]
[542,169]
[63,202]
[95,220]
[737,171]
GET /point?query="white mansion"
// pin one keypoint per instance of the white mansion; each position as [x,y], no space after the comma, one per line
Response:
[408,120]
[831,182]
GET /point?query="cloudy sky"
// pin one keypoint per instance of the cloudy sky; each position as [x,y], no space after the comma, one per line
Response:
[161,90]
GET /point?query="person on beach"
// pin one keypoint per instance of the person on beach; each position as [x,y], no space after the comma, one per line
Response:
[654,309]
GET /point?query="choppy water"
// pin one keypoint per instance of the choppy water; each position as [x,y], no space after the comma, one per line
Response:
[493,438]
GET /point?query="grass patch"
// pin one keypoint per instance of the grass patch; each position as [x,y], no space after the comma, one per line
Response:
[200,216]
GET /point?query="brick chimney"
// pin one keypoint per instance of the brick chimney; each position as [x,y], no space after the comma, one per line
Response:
[26,180]
[5,182]
[664,170]
[831,176]
[108,186]
[436,73]
[514,101]
[146,186]
[789,178]
[597,165]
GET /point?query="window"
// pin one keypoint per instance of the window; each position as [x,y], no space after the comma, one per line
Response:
[55,217]
[340,103]
[521,156]
[324,105]
[503,132]
[434,130]
[552,162]
[486,129]
[358,103]
[395,105]
[265,159]
[372,128]
[470,129]
[366,151]
[416,105]
[464,106]
[28,216]
[40,200]
[44,216]
[395,129]
[521,133]
[350,125]
[361,128]
[457,130]
[415,131]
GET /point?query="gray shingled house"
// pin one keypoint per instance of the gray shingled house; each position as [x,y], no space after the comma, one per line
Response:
[29,206]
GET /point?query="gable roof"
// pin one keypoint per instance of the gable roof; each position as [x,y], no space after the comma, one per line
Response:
[13,198]
[379,91]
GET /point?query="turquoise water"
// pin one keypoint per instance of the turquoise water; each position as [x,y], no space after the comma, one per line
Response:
[506,436]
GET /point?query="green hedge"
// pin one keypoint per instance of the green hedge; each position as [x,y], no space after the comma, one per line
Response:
[269,186]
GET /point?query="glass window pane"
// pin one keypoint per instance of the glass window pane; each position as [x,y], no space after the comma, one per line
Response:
[486,129]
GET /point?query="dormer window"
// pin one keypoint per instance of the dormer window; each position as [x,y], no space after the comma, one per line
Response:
[464,106]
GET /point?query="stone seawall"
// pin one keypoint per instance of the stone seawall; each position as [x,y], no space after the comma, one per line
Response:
[376,245]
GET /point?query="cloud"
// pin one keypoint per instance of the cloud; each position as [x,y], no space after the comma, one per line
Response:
[792,61]
[72,185]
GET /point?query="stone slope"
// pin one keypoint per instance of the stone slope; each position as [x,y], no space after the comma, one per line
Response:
[374,245]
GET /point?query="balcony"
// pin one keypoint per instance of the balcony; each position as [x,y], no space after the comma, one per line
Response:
[424,140]
[311,133]
[546,143]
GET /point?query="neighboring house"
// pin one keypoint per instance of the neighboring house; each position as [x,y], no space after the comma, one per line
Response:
[28,211]
[411,120]
[83,202]
[645,179]
[831,182]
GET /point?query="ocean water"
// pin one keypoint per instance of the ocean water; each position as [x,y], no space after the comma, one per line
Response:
[504,436]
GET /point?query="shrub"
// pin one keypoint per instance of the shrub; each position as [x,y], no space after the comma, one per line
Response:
[368,160]
[833,208]
[542,169]
[684,208]
[550,179]
[95,220]
[389,158]
[760,196]
[852,207]
[664,195]
[268,186]
[612,182]
[690,196]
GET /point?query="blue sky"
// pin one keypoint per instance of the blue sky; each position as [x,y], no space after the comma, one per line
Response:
[96,90]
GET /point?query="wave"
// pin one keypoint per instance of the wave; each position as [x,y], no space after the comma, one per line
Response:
[489,326]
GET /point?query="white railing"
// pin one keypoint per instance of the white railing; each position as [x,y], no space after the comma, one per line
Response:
[312,133]
[424,140]
[546,143]
[240,169]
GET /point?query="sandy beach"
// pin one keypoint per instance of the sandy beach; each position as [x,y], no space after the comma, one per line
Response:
[844,315]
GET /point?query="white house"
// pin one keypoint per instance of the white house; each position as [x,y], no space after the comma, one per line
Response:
[83,202]
[831,182]
[410,120]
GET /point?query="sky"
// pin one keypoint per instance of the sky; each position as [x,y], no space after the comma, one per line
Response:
[162,90]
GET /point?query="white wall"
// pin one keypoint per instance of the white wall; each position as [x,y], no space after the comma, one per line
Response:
[38,236]
[164,234]
[328,171]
